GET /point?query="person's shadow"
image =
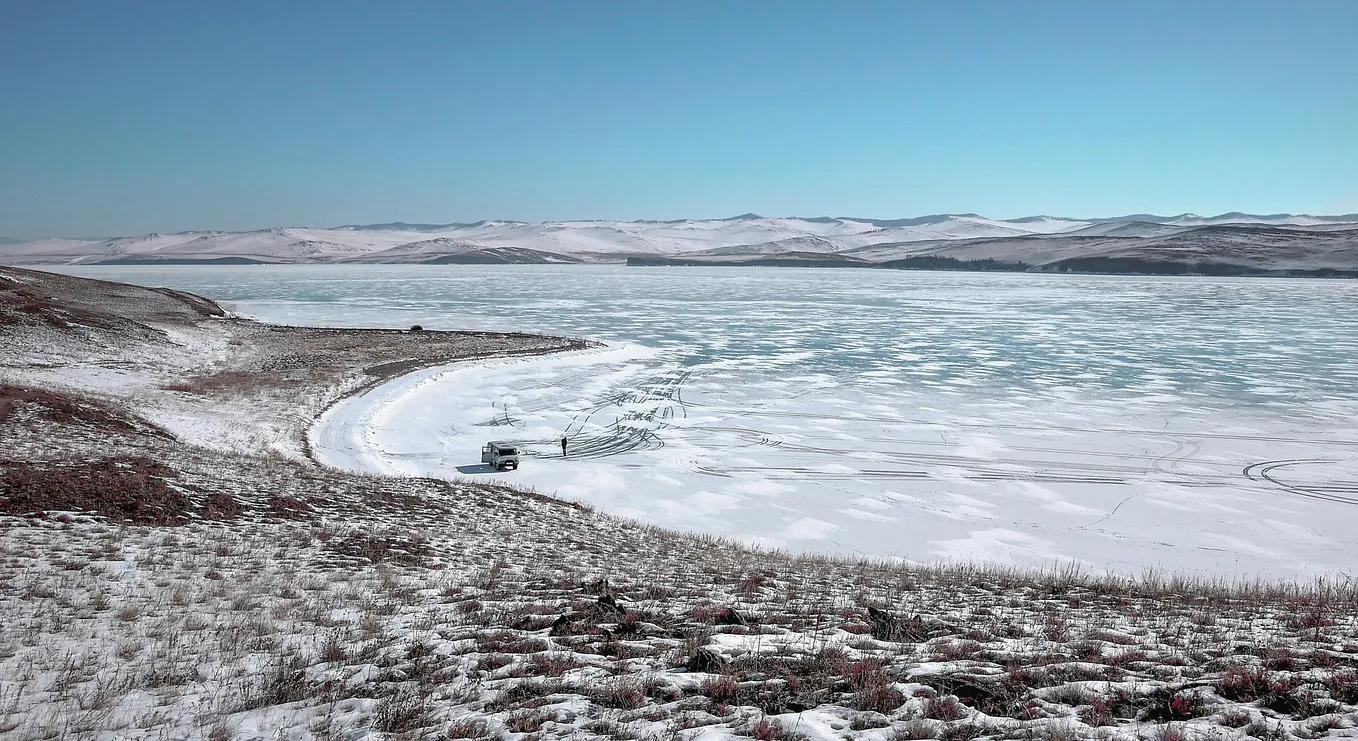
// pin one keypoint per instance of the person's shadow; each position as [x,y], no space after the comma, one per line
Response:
[478,468]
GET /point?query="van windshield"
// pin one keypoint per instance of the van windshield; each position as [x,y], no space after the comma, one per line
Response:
[508,451]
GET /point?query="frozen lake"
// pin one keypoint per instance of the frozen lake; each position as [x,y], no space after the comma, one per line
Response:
[1184,423]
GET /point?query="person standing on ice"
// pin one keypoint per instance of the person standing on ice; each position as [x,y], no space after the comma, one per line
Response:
[563,446]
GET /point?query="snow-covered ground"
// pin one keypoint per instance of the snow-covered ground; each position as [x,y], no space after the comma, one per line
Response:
[153,588]
[1191,424]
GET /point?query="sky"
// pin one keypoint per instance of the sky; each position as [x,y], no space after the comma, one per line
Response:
[131,117]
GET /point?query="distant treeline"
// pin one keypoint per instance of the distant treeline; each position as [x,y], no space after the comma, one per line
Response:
[1136,266]
[933,262]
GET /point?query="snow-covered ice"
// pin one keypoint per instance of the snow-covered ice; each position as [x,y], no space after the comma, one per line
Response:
[1186,423]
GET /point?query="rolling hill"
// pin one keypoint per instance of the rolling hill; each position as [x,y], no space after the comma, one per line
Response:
[1234,243]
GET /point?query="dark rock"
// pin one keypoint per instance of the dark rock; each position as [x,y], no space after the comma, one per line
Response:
[888,627]
[706,662]
[598,587]
[970,690]
[561,626]
[526,622]
[731,617]
[416,328]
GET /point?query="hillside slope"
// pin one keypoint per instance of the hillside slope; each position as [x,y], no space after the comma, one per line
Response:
[1228,244]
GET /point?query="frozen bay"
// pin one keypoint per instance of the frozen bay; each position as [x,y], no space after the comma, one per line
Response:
[1184,423]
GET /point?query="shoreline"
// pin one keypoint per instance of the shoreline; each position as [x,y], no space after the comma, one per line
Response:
[405,383]
[230,383]
[380,375]
[326,428]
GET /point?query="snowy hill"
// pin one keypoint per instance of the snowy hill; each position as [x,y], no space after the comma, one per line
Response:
[1022,240]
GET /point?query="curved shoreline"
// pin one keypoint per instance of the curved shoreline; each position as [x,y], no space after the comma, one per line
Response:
[352,415]
[382,374]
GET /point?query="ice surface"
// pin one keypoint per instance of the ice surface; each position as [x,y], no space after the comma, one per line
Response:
[1185,423]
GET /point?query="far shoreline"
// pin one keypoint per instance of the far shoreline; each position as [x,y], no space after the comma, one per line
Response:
[1083,267]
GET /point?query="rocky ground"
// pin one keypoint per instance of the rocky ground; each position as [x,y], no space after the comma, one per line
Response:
[162,578]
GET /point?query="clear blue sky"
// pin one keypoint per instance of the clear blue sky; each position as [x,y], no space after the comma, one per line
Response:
[127,117]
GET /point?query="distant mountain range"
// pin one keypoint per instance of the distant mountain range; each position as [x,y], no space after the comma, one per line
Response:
[1228,244]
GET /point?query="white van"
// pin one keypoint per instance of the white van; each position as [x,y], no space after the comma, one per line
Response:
[500,455]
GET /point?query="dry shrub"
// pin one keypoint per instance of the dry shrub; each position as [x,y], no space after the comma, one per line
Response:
[872,689]
[626,693]
[466,728]
[22,306]
[944,708]
[67,409]
[123,488]
[1243,683]
[722,689]
[1321,726]
[1056,629]
[867,721]
[527,693]
[291,508]
[915,730]
[707,614]
[377,548]
[1171,733]
[491,662]
[1129,656]
[227,380]
[221,506]
[954,650]
[1111,637]
[1164,704]
[767,729]
[333,650]
[1343,686]
[1099,713]
[553,664]
[1059,732]
[508,641]
[829,661]
[283,684]
[963,732]
[402,713]
[525,721]
[1281,659]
